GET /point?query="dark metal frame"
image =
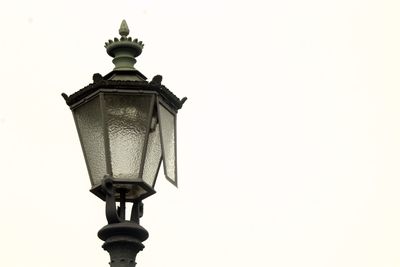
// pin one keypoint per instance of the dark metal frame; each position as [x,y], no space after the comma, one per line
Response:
[126,182]
[129,184]
[146,138]
[160,95]
[153,108]
[97,188]
[107,152]
[162,103]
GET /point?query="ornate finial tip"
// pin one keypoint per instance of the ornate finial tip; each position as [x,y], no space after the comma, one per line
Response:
[124,50]
[123,29]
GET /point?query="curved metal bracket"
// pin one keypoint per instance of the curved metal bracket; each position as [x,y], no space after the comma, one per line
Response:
[111,207]
[114,214]
[137,211]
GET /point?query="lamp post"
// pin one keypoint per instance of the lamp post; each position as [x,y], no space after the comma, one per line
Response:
[127,128]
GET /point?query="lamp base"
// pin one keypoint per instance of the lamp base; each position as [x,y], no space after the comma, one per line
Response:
[123,241]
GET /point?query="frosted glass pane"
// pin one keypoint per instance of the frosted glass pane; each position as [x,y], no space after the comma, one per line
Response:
[88,121]
[127,119]
[167,120]
[153,155]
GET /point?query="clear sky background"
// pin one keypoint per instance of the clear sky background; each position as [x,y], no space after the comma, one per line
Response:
[289,143]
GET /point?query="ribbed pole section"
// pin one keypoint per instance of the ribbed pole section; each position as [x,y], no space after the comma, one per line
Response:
[123,241]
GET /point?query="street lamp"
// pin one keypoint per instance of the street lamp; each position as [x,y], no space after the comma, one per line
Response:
[127,127]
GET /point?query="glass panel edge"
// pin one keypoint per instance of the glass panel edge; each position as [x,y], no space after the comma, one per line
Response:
[146,140]
[160,102]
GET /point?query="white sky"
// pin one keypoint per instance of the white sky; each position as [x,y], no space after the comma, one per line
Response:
[289,144]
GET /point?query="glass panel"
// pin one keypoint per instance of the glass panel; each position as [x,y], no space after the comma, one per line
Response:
[168,139]
[153,153]
[127,119]
[88,121]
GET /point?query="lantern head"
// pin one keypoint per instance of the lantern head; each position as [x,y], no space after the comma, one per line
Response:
[126,125]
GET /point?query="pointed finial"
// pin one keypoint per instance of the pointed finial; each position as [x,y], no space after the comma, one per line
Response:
[123,29]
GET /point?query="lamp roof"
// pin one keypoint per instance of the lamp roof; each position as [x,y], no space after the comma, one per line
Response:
[100,82]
